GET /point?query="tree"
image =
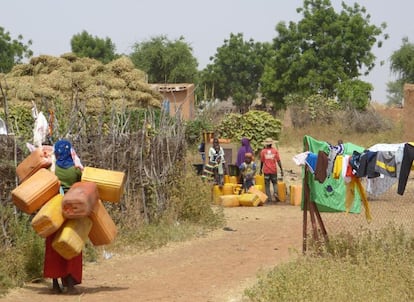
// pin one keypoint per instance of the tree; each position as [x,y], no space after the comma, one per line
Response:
[354,92]
[236,70]
[322,50]
[12,51]
[85,45]
[165,61]
[395,92]
[402,64]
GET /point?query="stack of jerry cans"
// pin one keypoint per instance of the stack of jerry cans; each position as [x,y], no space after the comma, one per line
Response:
[33,193]
[75,216]
[110,186]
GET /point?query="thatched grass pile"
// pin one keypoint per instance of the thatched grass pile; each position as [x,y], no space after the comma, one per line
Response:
[81,80]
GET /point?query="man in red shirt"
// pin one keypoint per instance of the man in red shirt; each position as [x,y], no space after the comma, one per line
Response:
[269,156]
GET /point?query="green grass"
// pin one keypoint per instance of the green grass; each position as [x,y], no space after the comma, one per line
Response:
[371,267]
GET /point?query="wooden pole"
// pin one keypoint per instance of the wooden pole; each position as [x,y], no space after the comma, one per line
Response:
[317,223]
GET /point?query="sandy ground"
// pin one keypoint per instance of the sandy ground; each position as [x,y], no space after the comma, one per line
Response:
[217,267]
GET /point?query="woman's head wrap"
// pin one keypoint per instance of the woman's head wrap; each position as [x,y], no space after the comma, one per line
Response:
[63,154]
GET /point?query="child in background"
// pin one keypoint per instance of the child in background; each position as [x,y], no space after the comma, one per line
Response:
[216,160]
[248,171]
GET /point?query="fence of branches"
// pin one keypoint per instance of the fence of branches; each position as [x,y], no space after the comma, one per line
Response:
[148,154]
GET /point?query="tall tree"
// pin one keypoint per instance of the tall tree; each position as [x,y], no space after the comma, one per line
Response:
[165,61]
[321,51]
[12,51]
[85,45]
[402,64]
[236,70]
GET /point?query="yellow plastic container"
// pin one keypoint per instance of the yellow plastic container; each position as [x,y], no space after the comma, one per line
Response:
[233,180]
[71,238]
[49,218]
[249,200]
[226,179]
[256,190]
[229,200]
[295,195]
[281,191]
[217,192]
[237,189]
[228,189]
[110,183]
[259,180]
[103,229]
[35,191]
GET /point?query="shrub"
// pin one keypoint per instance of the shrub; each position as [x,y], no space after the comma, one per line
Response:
[373,266]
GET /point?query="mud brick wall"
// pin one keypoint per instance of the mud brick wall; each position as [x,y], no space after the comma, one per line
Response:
[408,112]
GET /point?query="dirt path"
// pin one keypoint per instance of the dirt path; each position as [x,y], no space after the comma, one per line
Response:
[214,268]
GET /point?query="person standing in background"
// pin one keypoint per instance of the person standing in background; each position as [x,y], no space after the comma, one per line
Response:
[216,160]
[269,160]
[241,153]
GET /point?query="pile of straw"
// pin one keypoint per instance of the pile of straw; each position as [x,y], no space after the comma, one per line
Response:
[81,80]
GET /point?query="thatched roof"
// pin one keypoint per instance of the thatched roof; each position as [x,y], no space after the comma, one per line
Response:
[70,78]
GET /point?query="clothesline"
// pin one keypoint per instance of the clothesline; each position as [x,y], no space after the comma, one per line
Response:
[336,172]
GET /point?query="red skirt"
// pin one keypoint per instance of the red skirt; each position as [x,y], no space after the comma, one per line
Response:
[55,266]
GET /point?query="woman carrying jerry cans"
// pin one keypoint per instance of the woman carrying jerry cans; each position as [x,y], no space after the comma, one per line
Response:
[55,266]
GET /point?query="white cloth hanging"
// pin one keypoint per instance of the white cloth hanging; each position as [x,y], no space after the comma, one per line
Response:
[40,130]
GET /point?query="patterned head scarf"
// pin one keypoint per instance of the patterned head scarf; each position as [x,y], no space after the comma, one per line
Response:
[63,154]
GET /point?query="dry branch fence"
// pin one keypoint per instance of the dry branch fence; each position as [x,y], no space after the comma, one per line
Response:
[148,155]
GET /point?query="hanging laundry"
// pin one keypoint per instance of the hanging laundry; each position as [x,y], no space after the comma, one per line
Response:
[311,161]
[300,159]
[337,168]
[379,185]
[345,174]
[386,163]
[407,161]
[351,187]
[321,166]
[41,129]
[367,162]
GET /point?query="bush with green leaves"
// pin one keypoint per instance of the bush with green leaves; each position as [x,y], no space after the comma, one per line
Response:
[256,125]
[194,130]
[312,109]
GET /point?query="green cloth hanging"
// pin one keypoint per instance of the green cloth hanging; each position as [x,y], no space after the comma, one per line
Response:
[329,196]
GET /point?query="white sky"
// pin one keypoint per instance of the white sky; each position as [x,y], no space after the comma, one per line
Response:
[50,24]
